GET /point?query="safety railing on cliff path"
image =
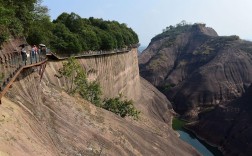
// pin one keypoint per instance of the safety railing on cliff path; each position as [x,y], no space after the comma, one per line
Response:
[12,63]
[62,56]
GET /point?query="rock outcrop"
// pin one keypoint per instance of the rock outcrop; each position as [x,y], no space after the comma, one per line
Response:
[207,78]
[228,126]
[38,118]
[117,73]
[197,69]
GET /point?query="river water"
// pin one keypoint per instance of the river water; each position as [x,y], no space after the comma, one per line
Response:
[201,146]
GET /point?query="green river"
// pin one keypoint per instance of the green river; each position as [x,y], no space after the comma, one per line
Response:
[200,145]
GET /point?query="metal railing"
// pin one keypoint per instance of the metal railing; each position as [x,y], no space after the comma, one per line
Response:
[11,63]
[93,53]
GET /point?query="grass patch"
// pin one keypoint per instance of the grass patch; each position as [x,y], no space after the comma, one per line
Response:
[178,124]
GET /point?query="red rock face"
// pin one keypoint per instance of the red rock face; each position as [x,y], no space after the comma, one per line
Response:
[39,118]
[195,69]
[50,122]
[228,126]
[205,76]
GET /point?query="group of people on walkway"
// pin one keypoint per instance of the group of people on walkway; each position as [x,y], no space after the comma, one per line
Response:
[34,54]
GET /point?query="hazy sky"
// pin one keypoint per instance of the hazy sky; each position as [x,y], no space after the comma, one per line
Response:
[148,17]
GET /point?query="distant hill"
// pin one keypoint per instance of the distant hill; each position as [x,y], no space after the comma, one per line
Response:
[201,73]
[141,48]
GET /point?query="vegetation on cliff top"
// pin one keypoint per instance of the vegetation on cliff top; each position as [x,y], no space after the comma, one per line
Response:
[90,34]
[173,31]
[17,17]
[69,33]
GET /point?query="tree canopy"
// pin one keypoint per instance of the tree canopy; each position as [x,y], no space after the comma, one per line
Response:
[69,33]
[93,33]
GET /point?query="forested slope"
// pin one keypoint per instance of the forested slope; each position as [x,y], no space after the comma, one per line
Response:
[69,33]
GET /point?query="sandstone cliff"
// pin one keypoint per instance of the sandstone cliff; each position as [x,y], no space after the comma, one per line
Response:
[116,73]
[39,118]
[228,126]
[197,69]
[207,78]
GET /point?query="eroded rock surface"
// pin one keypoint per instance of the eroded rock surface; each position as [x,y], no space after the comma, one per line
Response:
[207,79]
[197,69]
[39,118]
[228,126]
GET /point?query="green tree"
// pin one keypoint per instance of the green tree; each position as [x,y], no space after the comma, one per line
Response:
[81,84]
[121,107]
[41,32]
[107,42]
[62,18]
[77,82]
[9,24]
[40,12]
[65,41]
[93,33]
[72,21]
[89,39]
[18,18]
[24,12]
[70,71]
[41,27]
[94,93]
[69,33]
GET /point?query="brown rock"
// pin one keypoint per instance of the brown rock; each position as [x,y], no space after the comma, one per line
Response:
[228,126]
[205,75]
[198,69]
[50,122]
[39,118]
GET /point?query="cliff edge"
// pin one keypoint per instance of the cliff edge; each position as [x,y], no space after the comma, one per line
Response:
[39,118]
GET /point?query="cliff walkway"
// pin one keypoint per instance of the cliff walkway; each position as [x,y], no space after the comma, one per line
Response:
[12,64]
[90,53]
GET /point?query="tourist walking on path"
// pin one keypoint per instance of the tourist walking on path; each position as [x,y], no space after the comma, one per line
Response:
[34,53]
[23,54]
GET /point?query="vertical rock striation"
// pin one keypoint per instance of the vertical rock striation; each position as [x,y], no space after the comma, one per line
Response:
[207,77]
[38,118]
[117,73]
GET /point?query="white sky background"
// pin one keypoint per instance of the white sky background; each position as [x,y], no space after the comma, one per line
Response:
[148,17]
